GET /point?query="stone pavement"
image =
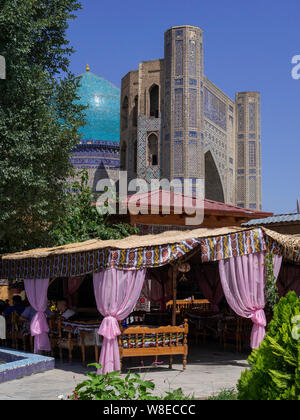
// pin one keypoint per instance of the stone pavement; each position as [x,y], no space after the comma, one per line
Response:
[209,370]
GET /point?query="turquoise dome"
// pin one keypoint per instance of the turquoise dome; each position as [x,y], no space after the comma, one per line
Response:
[103,113]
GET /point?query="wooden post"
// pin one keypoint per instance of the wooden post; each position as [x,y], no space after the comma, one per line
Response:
[174,287]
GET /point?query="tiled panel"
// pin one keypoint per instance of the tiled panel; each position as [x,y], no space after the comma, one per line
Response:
[252,116]
[252,154]
[241,117]
[214,109]
[146,125]
[241,154]
[240,189]
[252,189]
[178,108]
[193,109]
[178,157]
[193,158]
[179,58]
[192,64]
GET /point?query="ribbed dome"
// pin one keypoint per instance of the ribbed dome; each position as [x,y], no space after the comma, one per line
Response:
[103,113]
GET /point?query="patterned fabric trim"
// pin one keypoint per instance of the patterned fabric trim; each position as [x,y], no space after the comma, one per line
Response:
[212,249]
[232,245]
[89,262]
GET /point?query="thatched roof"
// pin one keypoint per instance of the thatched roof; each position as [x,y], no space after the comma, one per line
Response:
[289,244]
[132,242]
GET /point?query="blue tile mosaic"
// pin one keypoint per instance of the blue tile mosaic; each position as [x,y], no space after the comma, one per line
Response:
[103,113]
[193,134]
[178,82]
[193,82]
[214,109]
[178,134]
[19,364]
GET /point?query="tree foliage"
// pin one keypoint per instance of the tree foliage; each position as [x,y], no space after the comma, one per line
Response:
[82,221]
[275,366]
[39,119]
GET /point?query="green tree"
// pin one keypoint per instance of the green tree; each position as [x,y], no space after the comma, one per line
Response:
[39,119]
[82,221]
[275,365]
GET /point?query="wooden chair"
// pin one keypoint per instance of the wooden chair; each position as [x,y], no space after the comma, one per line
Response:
[238,330]
[230,331]
[54,326]
[198,327]
[67,339]
[20,331]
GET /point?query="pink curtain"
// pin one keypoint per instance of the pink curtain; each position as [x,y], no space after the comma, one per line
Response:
[243,281]
[73,284]
[157,288]
[289,279]
[36,292]
[116,294]
[209,281]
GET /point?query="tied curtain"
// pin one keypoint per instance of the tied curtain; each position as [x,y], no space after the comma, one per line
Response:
[208,278]
[157,288]
[243,281]
[116,294]
[36,291]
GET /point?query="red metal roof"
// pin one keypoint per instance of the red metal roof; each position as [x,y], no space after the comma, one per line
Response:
[159,198]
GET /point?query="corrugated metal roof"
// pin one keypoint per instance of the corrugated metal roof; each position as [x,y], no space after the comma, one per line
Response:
[280,218]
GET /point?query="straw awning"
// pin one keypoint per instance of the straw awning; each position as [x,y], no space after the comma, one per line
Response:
[130,242]
[150,251]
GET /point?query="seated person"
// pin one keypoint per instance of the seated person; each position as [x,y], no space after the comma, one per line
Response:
[17,306]
[66,313]
[3,306]
[29,313]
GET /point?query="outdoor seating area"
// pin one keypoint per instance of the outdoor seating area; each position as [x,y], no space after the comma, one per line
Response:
[115,308]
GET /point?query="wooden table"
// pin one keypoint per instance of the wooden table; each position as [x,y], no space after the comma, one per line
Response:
[88,335]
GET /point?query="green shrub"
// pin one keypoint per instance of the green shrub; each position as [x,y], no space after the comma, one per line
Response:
[112,386]
[275,366]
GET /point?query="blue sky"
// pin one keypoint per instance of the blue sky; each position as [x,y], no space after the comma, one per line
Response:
[248,46]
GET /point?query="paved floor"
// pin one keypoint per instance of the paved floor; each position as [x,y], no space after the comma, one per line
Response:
[209,370]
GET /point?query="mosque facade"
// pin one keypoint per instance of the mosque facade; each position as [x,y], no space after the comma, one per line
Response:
[177,124]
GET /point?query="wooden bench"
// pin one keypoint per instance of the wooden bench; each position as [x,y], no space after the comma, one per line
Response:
[142,341]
